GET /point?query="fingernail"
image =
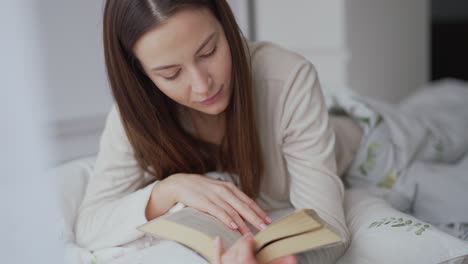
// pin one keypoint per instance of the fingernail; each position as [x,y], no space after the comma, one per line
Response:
[234,225]
[248,235]
[268,219]
[262,226]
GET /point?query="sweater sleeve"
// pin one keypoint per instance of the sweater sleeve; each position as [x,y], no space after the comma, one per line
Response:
[308,149]
[117,194]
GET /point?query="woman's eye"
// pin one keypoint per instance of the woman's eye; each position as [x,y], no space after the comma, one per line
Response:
[209,53]
[173,77]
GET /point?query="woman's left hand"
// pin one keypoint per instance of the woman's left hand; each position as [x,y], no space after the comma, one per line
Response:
[243,252]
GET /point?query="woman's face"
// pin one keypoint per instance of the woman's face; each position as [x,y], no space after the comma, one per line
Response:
[189,60]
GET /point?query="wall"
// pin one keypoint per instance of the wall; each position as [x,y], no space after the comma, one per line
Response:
[78,93]
[449,10]
[241,10]
[377,48]
[73,48]
[28,207]
[389,43]
[313,28]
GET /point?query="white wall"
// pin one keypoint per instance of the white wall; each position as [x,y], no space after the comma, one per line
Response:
[78,91]
[241,12]
[389,43]
[28,208]
[76,73]
[377,48]
[314,28]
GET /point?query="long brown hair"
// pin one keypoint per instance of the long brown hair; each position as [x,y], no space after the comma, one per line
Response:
[150,119]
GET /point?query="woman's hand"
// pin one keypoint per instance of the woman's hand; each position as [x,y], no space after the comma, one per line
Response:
[222,200]
[243,252]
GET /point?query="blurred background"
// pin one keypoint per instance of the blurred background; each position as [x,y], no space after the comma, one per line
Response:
[55,82]
[383,49]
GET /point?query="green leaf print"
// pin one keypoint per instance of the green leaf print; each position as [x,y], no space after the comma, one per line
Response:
[400,222]
[388,181]
[407,222]
[369,164]
[379,120]
[389,221]
[422,229]
[365,120]
[439,147]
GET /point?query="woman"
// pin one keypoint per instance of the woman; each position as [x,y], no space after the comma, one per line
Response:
[193,97]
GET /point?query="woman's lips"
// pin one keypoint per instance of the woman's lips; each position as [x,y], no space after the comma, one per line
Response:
[213,98]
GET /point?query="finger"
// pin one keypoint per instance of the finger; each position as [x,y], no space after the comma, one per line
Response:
[251,203]
[218,250]
[220,213]
[241,252]
[244,210]
[244,248]
[247,244]
[285,260]
[242,227]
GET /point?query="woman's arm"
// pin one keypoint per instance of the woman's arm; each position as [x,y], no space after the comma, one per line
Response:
[161,200]
[117,202]
[116,196]
[308,149]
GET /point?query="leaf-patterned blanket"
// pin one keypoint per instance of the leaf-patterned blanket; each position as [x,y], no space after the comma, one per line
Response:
[401,141]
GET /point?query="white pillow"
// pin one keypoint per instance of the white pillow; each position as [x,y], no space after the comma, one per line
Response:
[71,179]
[381,234]
[378,244]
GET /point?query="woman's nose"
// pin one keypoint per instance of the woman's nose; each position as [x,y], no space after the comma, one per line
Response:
[201,81]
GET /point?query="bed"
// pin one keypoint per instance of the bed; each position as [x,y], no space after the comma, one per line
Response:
[421,217]
[377,230]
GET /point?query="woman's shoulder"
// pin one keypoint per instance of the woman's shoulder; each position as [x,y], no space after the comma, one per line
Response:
[114,131]
[272,61]
[113,119]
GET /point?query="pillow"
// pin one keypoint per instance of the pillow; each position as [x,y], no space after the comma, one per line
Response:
[381,234]
[441,196]
[71,179]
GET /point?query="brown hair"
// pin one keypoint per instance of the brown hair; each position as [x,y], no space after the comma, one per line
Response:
[161,145]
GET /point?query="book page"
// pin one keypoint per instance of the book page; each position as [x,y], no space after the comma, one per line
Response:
[205,223]
[192,228]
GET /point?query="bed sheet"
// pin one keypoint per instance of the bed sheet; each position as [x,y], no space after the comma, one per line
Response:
[74,175]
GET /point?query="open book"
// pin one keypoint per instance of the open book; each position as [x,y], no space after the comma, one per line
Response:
[294,233]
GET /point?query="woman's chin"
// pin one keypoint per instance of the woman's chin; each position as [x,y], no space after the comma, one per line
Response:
[213,110]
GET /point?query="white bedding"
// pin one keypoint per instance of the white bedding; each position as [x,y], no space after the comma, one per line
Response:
[410,157]
[72,178]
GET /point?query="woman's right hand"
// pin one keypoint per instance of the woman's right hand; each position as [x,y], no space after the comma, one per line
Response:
[220,199]
[243,252]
